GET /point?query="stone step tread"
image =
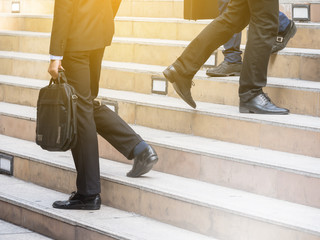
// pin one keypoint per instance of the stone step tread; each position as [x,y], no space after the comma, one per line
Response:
[159,101]
[163,42]
[295,216]
[109,221]
[157,70]
[9,231]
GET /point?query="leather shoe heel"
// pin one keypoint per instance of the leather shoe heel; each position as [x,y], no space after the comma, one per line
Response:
[243,109]
[144,162]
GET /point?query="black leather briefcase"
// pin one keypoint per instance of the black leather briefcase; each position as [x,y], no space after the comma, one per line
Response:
[56,125]
[201,9]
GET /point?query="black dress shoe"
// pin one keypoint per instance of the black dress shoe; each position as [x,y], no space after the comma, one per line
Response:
[261,104]
[180,84]
[283,38]
[143,162]
[77,201]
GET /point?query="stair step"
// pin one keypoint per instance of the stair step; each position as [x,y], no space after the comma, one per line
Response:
[32,205]
[290,93]
[174,199]
[151,27]
[282,133]
[10,231]
[300,62]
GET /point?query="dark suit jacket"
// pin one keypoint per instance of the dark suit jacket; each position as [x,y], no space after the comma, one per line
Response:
[82,25]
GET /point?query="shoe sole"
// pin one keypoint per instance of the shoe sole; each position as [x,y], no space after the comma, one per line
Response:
[86,207]
[224,75]
[247,110]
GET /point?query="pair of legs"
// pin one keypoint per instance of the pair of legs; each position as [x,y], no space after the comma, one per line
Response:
[83,73]
[232,52]
[262,16]
[263,19]
[232,64]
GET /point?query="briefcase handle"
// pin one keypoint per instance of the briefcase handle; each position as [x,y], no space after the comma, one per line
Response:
[61,78]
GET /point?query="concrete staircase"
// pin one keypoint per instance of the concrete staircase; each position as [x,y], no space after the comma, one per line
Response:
[221,174]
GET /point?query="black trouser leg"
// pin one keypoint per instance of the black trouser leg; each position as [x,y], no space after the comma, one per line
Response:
[213,36]
[109,125]
[116,131]
[263,28]
[85,153]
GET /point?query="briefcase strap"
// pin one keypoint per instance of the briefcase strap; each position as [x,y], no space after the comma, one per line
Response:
[61,78]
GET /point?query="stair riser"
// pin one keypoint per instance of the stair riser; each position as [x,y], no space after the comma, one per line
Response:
[258,134]
[293,66]
[305,38]
[34,24]
[25,68]
[45,225]
[25,44]
[205,220]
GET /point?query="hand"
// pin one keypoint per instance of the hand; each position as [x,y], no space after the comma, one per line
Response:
[54,67]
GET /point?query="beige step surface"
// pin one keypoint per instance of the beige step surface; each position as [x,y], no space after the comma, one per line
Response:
[206,160]
[196,206]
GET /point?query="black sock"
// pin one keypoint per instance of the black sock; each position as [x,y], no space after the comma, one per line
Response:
[139,148]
